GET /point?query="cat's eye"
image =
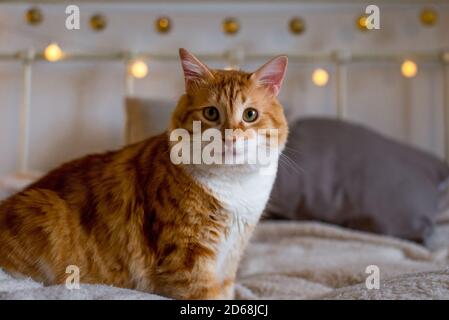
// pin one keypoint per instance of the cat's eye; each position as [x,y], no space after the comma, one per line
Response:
[211,113]
[250,115]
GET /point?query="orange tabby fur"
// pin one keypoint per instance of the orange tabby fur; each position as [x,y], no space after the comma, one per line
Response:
[133,219]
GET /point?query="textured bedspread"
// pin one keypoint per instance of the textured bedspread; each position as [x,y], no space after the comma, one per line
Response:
[302,260]
[312,260]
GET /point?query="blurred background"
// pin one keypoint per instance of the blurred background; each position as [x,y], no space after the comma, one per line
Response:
[67,93]
[77,106]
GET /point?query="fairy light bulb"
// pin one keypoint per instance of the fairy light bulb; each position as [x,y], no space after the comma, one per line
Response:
[428,17]
[53,52]
[362,23]
[163,24]
[138,69]
[320,77]
[409,69]
[230,26]
[231,66]
[34,16]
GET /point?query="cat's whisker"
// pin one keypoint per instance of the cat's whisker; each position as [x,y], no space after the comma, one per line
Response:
[295,164]
[290,163]
[289,149]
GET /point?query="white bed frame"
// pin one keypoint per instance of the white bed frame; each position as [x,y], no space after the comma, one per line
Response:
[340,59]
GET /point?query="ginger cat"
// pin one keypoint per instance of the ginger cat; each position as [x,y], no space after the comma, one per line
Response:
[134,219]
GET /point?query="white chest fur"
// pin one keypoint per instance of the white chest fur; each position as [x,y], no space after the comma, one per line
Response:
[244,196]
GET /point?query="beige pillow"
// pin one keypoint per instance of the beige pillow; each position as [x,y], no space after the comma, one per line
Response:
[146,117]
[16,182]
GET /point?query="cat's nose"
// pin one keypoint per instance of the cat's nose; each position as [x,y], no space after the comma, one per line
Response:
[233,137]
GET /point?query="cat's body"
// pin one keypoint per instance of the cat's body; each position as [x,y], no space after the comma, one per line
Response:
[126,218]
[133,219]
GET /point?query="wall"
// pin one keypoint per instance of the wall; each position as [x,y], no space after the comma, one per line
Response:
[77,107]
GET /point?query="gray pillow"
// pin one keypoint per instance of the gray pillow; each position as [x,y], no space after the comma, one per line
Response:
[346,174]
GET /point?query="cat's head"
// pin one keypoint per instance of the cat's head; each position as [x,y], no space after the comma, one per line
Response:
[244,102]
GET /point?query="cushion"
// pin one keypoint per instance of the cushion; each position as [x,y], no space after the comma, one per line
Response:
[16,182]
[343,173]
[443,199]
[146,117]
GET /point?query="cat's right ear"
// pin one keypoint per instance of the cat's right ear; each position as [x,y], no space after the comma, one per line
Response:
[195,72]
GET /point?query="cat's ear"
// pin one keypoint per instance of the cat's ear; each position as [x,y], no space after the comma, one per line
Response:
[195,72]
[271,74]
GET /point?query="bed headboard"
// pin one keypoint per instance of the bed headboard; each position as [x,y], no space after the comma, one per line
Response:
[75,105]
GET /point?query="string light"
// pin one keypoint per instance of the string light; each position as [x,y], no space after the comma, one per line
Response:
[230,26]
[361,23]
[138,69]
[231,66]
[163,24]
[297,25]
[409,69]
[34,16]
[428,17]
[320,77]
[53,52]
[98,22]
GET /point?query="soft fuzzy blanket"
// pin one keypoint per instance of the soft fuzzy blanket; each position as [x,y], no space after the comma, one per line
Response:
[302,260]
[308,260]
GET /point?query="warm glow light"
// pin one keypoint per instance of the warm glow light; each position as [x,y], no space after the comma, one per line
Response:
[429,17]
[320,77]
[362,23]
[163,24]
[138,69]
[231,67]
[53,52]
[409,69]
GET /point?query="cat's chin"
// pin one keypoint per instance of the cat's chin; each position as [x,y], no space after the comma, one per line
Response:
[232,169]
[225,167]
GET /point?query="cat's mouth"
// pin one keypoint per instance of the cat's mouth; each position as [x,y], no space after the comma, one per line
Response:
[228,152]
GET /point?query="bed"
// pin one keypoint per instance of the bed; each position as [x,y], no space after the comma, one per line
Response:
[286,259]
[303,260]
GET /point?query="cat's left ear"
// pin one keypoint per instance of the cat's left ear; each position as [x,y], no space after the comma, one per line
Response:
[271,74]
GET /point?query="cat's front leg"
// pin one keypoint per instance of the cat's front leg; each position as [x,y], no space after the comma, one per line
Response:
[189,289]
[214,290]
[228,289]
[193,283]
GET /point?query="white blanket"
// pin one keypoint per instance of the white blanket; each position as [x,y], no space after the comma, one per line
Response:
[291,260]
[300,260]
